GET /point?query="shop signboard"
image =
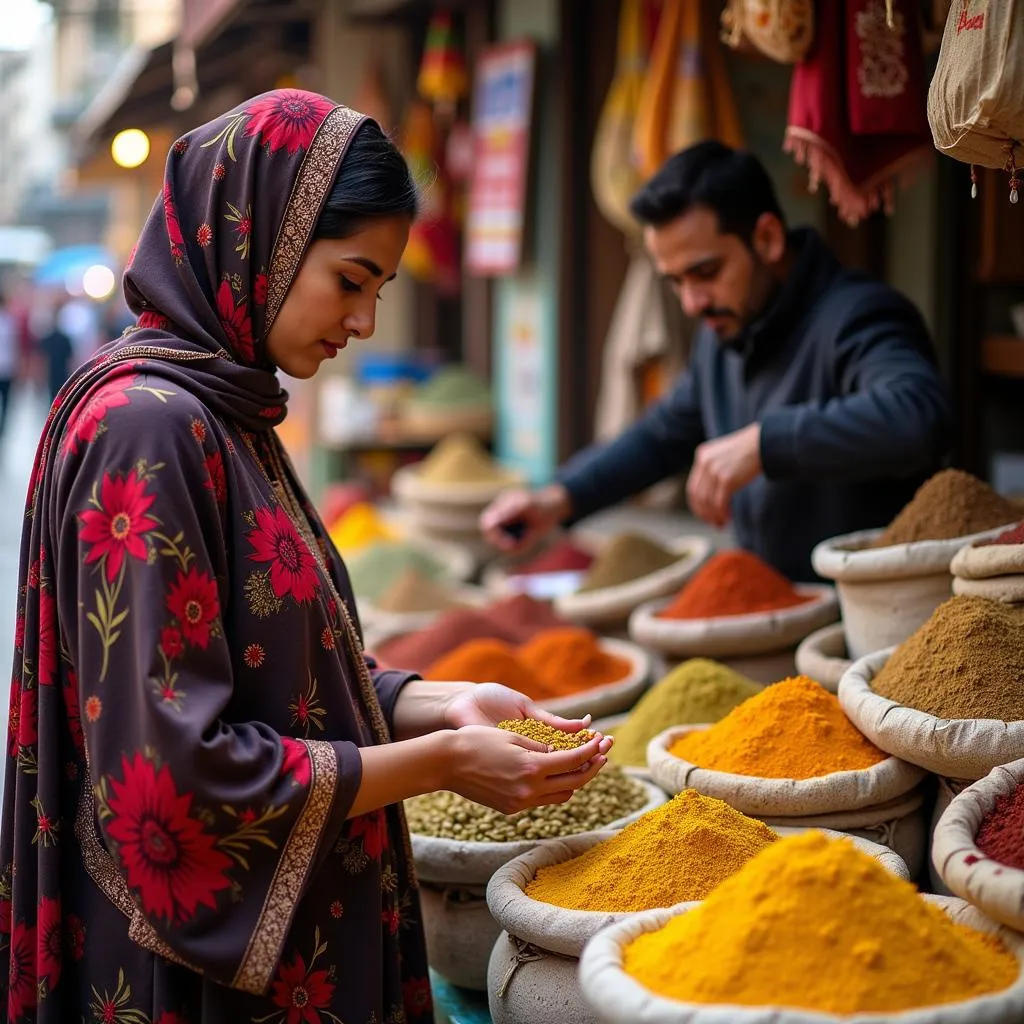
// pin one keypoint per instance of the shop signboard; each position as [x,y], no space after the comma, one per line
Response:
[502,120]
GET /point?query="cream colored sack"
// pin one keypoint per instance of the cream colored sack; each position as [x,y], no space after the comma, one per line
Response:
[1008,589]
[994,888]
[980,562]
[959,748]
[789,798]
[974,102]
[822,656]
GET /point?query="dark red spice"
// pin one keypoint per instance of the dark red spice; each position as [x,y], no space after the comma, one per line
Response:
[1014,535]
[562,557]
[1001,835]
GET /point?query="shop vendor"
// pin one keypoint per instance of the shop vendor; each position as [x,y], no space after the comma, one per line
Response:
[812,405]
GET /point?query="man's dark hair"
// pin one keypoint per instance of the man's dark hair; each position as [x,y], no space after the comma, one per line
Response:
[731,182]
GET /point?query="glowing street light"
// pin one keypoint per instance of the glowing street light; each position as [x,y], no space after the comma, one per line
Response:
[98,282]
[130,148]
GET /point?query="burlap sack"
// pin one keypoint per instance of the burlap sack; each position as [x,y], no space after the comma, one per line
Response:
[614,605]
[617,998]
[994,888]
[887,593]
[961,748]
[734,635]
[980,563]
[460,931]
[901,825]
[612,697]
[946,791]
[822,656]
[974,106]
[786,798]
[408,487]
[532,974]
[1008,589]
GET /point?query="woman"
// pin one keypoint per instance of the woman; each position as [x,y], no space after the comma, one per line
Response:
[201,815]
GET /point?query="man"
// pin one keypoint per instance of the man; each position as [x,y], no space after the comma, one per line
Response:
[812,405]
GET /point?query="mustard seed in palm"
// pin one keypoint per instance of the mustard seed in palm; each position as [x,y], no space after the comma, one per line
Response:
[542,733]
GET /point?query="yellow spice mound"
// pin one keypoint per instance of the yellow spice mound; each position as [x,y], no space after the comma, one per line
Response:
[461,459]
[815,924]
[677,852]
[791,730]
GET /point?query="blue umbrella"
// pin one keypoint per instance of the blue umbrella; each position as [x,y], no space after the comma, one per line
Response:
[71,261]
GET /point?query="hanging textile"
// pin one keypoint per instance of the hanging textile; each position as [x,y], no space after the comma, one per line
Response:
[856,104]
[780,29]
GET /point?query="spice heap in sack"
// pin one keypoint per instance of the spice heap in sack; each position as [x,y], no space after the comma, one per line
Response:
[513,620]
[358,528]
[452,388]
[563,556]
[815,924]
[675,853]
[460,459]
[1014,535]
[628,557]
[791,730]
[1001,835]
[698,690]
[544,733]
[966,661]
[951,504]
[555,663]
[733,583]
[413,592]
[378,567]
[606,798]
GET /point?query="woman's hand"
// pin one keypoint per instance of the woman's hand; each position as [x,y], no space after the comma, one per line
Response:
[510,772]
[491,703]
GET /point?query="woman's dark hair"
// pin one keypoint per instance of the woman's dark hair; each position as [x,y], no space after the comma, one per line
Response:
[731,182]
[373,181]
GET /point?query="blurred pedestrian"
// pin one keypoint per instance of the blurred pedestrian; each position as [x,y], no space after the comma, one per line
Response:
[57,349]
[8,358]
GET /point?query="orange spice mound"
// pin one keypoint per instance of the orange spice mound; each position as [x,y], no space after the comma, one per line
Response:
[488,661]
[571,659]
[795,729]
[733,583]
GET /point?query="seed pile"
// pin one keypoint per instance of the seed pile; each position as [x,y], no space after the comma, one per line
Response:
[628,557]
[606,798]
[544,733]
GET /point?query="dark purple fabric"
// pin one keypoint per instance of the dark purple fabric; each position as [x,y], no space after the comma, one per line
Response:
[189,695]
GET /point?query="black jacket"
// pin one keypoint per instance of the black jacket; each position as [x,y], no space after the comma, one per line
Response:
[840,373]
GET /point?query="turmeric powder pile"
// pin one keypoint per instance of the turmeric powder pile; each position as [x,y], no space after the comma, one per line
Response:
[791,730]
[677,852]
[813,923]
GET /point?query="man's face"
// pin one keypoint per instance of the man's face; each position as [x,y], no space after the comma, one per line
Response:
[716,275]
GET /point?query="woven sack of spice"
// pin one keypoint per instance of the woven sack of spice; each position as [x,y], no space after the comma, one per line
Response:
[1002,556]
[900,825]
[617,998]
[608,698]
[460,931]
[886,593]
[1008,589]
[558,561]
[946,791]
[533,973]
[779,797]
[974,104]
[822,656]
[978,845]
[955,747]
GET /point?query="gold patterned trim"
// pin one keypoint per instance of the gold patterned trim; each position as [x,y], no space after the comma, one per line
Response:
[268,936]
[309,192]
[104,873]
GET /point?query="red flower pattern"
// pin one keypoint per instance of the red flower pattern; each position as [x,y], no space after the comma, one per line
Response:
[48,941]
[21,980]
[204,235]
[259,290]
[296,762]
[23,718]
[327,638]
[170,1018]
[71,705]
[234,319]
[19,633]
[170,642]
[218,172]
[391,917]
[155,321]
[292,569]
[93,708]
[47,667]
[198,428]
[216,480]
[168,857]
[174,234]
[119,525]
[254,655]
[87,419]
[416,992]
[301,993]
[373,829]
[76,936]
[193,601]
[287,119]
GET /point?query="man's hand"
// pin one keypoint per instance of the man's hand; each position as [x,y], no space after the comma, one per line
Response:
[530,514]
[720,468]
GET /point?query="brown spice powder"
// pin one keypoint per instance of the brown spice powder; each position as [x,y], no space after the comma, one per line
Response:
[966,661]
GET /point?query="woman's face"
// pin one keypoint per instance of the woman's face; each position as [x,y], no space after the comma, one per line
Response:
[335,295]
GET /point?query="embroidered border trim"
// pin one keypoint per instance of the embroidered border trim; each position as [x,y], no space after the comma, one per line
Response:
[325,155]
[268,936]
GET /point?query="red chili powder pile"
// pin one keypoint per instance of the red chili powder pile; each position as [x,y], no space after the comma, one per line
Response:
[562,557]
[1015,535]
[1001,835]
[733,583]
